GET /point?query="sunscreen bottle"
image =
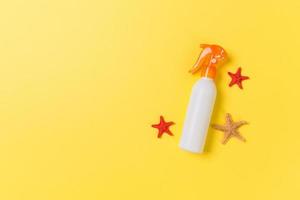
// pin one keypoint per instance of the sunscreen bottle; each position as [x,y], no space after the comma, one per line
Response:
[202,99]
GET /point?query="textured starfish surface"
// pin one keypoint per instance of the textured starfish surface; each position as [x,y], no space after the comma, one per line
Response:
[163,127]
[237,78]
[230,129]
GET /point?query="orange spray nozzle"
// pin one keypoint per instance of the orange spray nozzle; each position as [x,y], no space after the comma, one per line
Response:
[210,57]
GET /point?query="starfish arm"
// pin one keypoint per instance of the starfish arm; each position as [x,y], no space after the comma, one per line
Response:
[170,124]
[239,124]
[231,83]
[219,127]
[226,138]
[228,119]
[239,71]
[240,85]
[245,78]
[159,135]
[238,136]
[162,120]
[169,132]
[230,74]
[155,125]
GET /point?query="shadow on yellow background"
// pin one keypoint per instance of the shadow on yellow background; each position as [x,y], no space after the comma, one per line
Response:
[82,81]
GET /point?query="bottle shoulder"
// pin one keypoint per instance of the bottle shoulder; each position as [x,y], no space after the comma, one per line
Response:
[205,84]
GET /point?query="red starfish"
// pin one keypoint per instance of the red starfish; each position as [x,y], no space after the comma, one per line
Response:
[163,127]
[237,78]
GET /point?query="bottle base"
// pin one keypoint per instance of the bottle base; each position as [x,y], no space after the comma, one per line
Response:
[192,150]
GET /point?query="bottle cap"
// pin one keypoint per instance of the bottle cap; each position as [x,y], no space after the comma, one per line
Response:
[209,59]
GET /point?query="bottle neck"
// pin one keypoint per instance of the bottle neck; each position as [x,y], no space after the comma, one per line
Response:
[209,72]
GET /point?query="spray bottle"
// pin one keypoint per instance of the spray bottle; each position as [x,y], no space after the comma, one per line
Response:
[202,98]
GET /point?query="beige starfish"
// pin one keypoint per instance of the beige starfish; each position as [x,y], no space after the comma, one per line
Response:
[230,129]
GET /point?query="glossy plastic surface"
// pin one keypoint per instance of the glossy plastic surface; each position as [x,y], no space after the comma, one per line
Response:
[198,115]
[209,59]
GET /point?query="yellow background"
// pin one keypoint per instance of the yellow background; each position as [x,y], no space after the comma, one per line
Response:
[82,81]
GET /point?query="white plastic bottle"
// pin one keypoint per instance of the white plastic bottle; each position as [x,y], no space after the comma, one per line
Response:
[198,115]
[202,100]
